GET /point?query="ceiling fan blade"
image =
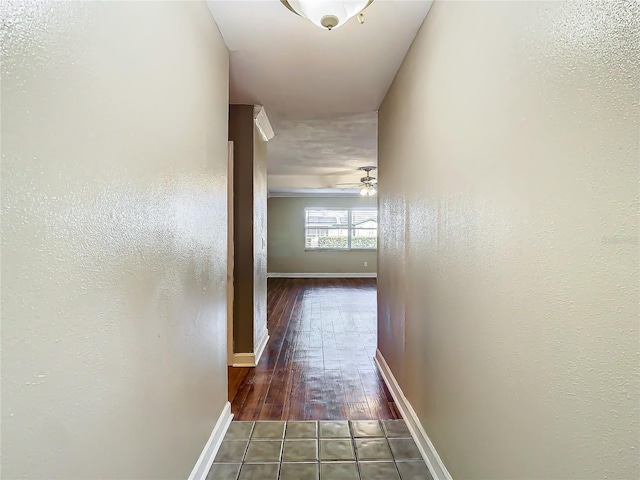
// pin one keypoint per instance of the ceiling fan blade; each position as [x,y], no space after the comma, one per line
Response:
[354,184]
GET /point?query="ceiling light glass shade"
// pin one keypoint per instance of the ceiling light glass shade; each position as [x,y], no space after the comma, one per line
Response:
[327,14]
[368,191]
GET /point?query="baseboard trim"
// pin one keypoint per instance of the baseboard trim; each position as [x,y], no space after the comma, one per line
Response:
[261,346]
[203,465]
[428,451]
[244,360]
[251,359]
[322,275]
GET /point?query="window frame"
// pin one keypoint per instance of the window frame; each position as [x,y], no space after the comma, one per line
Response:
[348,227]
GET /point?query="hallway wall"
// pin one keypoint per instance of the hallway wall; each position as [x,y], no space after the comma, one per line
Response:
[249,230]
[259,239]
[114,143]
[286,253]
[508,260]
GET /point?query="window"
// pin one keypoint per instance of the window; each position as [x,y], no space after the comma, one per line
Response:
[341,229]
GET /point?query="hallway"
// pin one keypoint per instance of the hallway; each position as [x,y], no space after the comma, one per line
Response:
[318,364]
[162,160]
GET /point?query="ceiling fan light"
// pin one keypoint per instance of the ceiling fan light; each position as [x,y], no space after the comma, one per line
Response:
[368,191]
[327,14]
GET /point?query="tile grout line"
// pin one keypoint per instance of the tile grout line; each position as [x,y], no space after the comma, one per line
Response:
[355,449]
[246,449]
[280,457]
[393,457]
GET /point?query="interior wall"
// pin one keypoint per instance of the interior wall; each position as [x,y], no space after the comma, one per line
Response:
[114,147]
[286,253]
[508,258]
[250,229]
[259,237]
[241,131]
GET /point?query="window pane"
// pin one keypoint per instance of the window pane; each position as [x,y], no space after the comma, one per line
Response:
[326,238]
[364,218]
[330,229]
[364,231]
[326,218]
[364,242]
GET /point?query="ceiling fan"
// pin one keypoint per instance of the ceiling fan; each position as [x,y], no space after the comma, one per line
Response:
[367,183]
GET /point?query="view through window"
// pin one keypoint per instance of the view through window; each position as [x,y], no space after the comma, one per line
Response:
[341,229]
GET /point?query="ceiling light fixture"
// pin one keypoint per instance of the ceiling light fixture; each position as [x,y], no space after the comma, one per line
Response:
[328,14]
[368,191]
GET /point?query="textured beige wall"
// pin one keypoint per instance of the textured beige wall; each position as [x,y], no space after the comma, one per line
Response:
[250,229]
[259,237]
[114,144]
[286,252]
[241,133]
[508,265]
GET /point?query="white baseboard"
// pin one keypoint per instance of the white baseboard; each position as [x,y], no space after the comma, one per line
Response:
[322,275]
[251,359]
[203,465]
[261,346]
[428,451]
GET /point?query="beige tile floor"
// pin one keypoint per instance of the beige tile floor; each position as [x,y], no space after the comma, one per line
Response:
[324,450]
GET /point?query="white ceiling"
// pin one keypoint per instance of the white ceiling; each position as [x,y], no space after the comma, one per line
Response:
[321,89]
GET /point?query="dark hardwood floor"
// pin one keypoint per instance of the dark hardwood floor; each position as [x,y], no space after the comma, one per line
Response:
[236,376]
[318,364]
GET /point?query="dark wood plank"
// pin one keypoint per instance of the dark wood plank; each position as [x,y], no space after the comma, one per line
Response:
[236,376]
[318,364]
